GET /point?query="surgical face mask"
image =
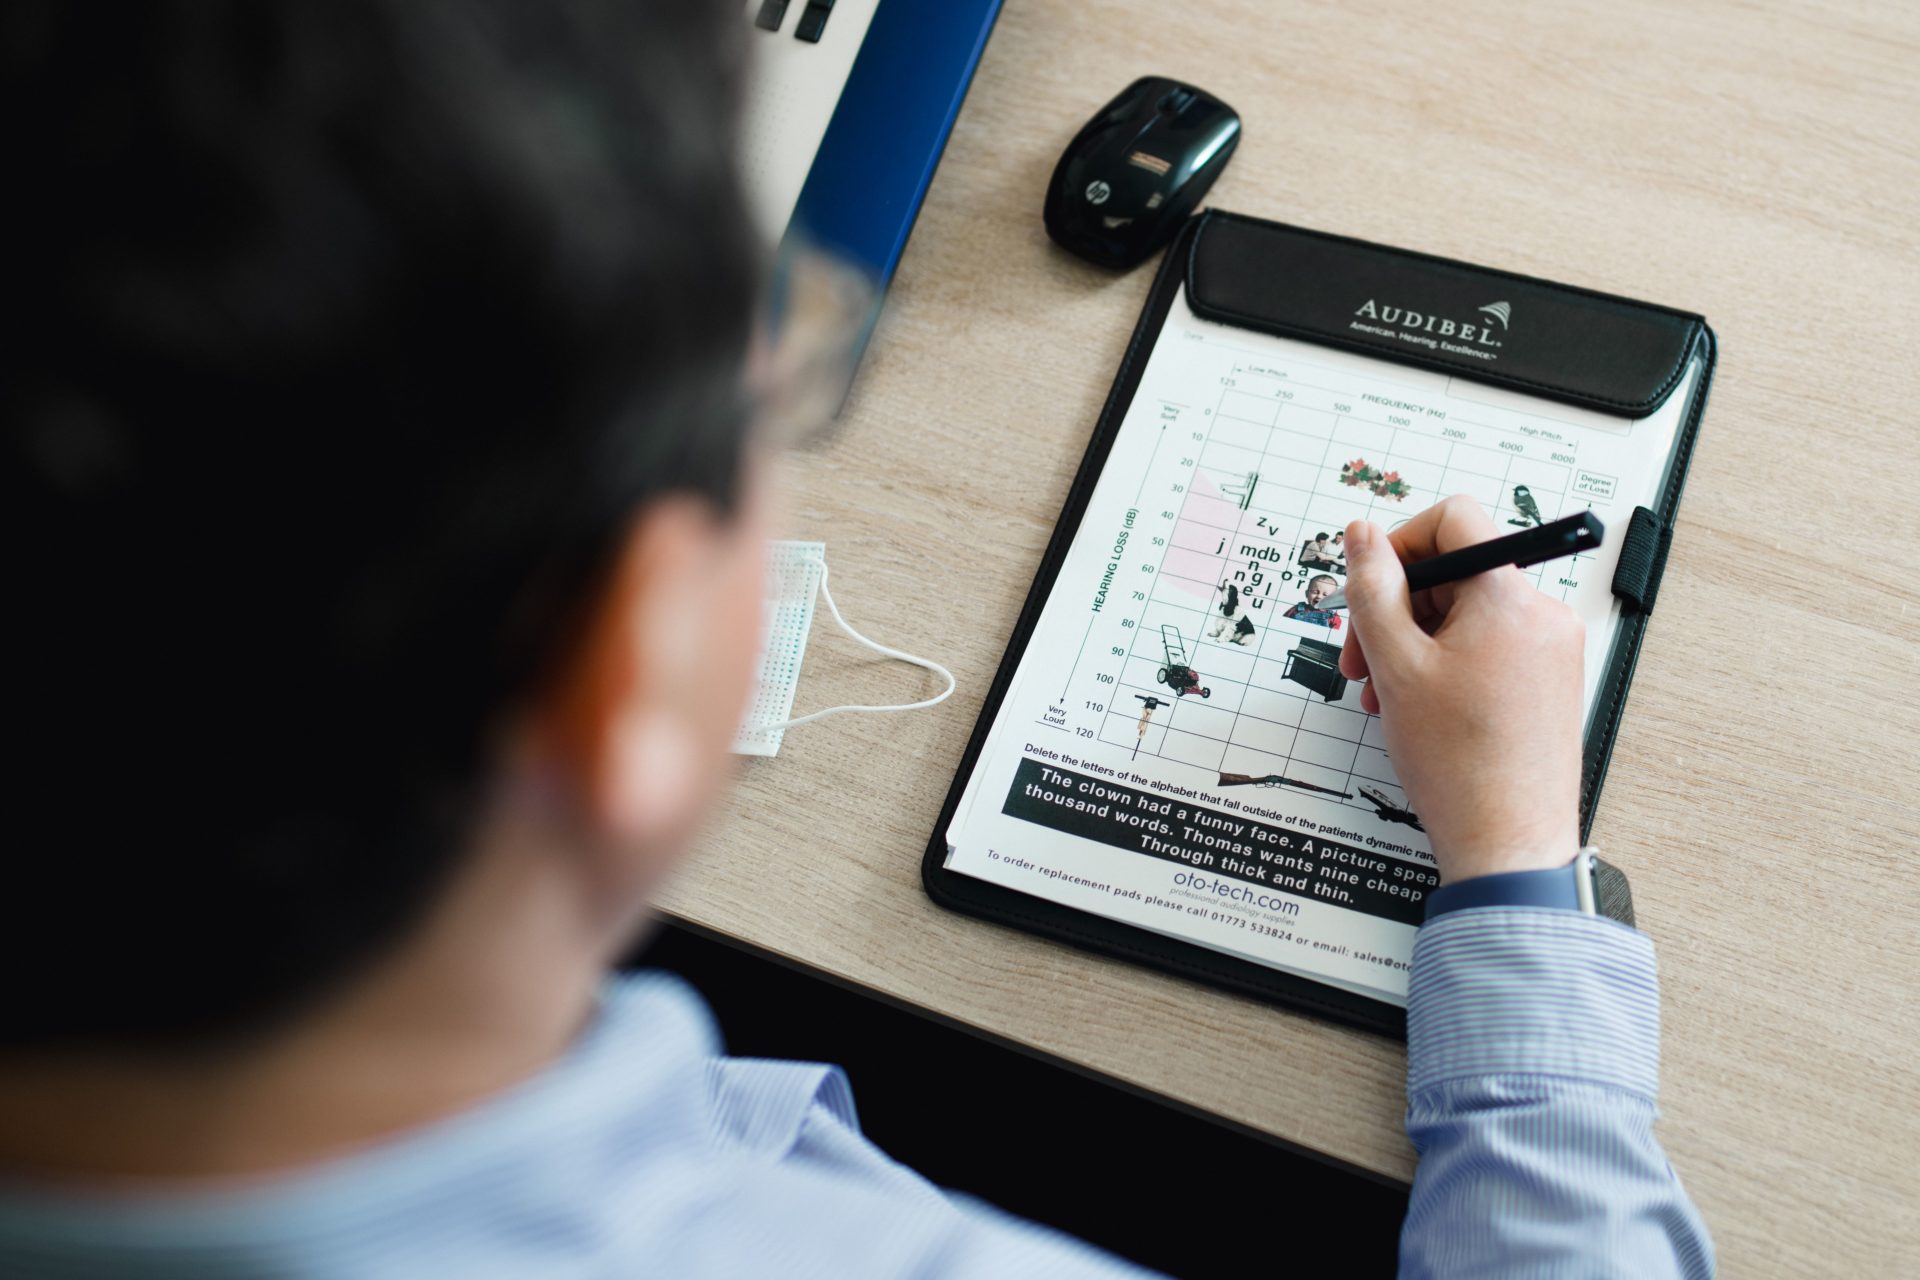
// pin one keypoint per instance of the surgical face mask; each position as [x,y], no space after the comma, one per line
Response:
[796,572]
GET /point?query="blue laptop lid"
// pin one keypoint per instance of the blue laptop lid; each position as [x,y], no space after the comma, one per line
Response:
[889,128]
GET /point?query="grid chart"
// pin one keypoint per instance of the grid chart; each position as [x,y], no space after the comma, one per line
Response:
[1266,481]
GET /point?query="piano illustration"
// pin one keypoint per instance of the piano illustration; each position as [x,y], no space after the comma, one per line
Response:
[1316,664]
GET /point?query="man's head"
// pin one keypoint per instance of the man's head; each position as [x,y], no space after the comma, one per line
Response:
[1320,539]
[1319,587]
[373,421]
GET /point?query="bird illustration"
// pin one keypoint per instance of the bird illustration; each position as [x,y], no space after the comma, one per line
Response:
[1528,508]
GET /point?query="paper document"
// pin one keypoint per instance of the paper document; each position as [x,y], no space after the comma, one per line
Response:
[1178,748]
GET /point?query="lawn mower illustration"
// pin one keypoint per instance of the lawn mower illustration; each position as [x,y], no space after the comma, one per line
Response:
[1177,675]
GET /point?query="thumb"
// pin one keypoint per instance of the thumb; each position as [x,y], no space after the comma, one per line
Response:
[1377,595]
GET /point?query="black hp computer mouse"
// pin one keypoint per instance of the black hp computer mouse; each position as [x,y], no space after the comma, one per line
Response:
[1134,173]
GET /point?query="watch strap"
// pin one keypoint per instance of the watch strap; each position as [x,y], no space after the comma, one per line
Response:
[1613,896]
[1567,888]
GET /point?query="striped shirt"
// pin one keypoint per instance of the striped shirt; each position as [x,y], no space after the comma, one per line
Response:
[1533,1066]
[1532,1073]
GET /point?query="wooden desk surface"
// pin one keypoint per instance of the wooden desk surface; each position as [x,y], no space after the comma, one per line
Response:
[1760,167]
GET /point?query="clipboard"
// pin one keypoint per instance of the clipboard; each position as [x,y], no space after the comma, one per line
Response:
[1491,328]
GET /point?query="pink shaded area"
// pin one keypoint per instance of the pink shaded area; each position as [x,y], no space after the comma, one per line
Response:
[1213,511]
[1190,571]
[1198,537]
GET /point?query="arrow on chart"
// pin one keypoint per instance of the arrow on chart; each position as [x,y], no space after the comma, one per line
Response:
[1076,663]
[1141,493]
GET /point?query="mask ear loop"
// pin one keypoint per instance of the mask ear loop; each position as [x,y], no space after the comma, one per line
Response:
[880,649]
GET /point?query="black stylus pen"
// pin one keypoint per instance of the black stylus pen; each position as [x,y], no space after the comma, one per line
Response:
[1530,546]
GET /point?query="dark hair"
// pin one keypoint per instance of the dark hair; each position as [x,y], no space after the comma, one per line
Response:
[1321,537]
[342,342]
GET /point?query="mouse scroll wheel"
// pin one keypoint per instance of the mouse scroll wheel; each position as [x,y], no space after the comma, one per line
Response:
[1176,102]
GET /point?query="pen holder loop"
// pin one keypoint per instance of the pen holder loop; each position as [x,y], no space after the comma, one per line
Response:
[1643,560]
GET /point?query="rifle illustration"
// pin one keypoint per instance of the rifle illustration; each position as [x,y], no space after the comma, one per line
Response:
[1275,780]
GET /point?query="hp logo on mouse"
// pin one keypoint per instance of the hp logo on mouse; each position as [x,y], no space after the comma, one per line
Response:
[1098,191]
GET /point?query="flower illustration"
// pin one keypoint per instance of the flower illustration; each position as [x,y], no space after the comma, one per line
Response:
[1382,484]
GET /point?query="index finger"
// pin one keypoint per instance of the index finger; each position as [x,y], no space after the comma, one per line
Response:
[1447,525]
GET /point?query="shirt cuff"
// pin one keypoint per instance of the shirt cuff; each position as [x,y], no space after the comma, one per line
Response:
[1533,991]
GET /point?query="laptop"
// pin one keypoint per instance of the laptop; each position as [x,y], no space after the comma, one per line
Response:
[848,107]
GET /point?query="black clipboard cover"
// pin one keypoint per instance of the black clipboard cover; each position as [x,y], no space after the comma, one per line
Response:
[1600,352]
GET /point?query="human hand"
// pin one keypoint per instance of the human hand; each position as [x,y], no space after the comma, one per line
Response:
[1478,688]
